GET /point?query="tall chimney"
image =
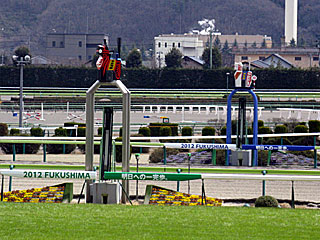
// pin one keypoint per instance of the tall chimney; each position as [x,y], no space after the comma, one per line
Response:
[291,21]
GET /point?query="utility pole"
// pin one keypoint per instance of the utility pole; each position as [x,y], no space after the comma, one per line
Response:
[210,49]
[21,62]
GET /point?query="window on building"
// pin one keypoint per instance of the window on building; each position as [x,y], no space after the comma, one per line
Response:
[261,58]
[297,58]
[173,45]
[178,45]
[315,58]
[80,44]
[92,45]
[80,57]
[89,57]
[159,44]
[165,44]
[53,43]
[244,57]
[61,44]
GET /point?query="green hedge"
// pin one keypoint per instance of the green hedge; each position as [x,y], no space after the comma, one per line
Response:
[58,148]
[314,126]
[83,77]
[155,128]
[145,131]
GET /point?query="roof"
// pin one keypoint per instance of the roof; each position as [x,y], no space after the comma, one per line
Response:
[277,56]
[194,59]
[259,64]
[41,60]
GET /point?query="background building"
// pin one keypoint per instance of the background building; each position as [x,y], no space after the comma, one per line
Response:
[73,49]
[192,45]
[298,57]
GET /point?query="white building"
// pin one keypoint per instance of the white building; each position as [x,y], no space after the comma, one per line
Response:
[192,45]
[187,44]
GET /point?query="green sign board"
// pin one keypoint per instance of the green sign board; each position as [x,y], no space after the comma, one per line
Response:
[151,176]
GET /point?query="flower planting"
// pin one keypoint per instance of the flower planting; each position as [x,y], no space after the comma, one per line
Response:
[161,196]
[52,194]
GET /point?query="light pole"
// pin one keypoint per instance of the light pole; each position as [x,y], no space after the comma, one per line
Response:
[210,49]
[21,62]
[227,81]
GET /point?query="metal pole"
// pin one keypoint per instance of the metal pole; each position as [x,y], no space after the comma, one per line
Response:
[137,186]
[2,185]
[264,172]
[210,49]
[189,156]
[315,152]
[227,81]
[126,104]
[21,95]
[90,134]
[10,179]
[214,156]
[44,152]
[292,195]
[178,182]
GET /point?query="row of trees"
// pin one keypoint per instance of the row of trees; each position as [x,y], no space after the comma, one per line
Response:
[174,58]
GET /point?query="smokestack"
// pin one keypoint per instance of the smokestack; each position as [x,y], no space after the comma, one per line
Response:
[291,21]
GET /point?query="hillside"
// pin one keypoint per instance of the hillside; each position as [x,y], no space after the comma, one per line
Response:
[138,21]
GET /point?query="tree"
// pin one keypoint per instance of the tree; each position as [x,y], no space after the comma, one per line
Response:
[216,58]
[225,46]
[235,43]
[254,45]
[263,44]
[292,43]
[134,59]
[217,43]
[174,58]
[22,51]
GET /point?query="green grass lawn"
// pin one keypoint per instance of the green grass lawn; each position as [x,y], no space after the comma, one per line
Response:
[89,221]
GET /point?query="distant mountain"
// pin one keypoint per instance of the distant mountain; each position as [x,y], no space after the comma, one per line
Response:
[138,21]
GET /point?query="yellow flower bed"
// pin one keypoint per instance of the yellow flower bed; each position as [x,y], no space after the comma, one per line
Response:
[160,196]
[35,195]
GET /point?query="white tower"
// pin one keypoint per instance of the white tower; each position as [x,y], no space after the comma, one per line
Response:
[291,21]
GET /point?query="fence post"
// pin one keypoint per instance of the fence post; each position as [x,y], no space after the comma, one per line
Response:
[214,156]
[315,152]
[10,179]
[178,182]
[64,149]
[164,155]
[14,152]
[114,155]
[264,172]
[189,156]
[23,148]
[292,195]
[44,152]
[269,158]
[2,185]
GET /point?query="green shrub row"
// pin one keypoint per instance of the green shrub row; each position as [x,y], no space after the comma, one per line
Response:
[83,77]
